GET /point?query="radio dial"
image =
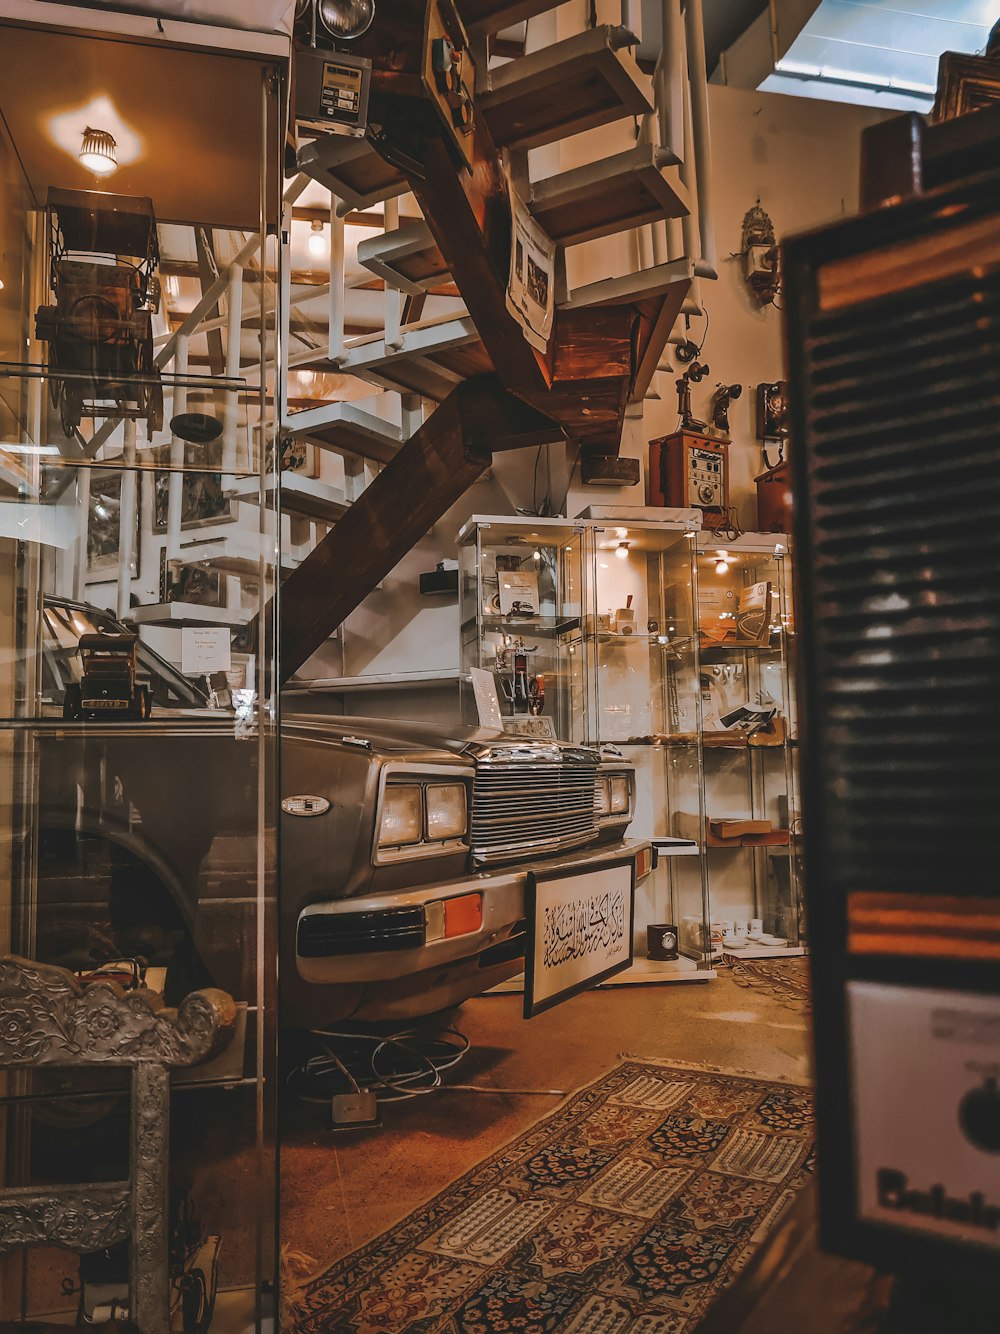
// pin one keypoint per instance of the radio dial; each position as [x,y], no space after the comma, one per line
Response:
[706,493]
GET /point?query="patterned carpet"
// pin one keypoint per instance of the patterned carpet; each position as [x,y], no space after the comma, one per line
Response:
[626,1210]
[785,979]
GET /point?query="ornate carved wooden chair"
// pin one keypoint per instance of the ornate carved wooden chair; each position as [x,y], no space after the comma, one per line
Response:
[48,1018]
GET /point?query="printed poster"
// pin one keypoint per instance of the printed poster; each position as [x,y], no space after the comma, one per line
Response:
[531,284]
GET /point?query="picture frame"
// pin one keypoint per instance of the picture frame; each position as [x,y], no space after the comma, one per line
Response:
[196,584]
[104,524]
[965,83]
[203,501]
[562,960]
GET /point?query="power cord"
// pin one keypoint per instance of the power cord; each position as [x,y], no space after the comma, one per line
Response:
[395,1067]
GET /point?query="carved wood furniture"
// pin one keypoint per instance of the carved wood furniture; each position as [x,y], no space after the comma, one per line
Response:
[48,1018]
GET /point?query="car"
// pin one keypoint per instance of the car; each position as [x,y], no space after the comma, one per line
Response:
[405,849]
[109,684]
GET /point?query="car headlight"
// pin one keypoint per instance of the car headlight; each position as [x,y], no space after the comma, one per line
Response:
[619,795]
[447,811]
[612,795]
[402,815]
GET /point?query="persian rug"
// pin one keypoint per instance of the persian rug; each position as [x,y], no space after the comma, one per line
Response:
[785,979]
[625,1211]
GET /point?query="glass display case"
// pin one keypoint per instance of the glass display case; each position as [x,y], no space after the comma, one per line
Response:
[748,815]
[604,616]
[138,564]
[643,649]
[521,600]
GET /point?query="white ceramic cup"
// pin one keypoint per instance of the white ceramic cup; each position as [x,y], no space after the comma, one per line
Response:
[755,927]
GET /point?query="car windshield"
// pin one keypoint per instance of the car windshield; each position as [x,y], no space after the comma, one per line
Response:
[66,622]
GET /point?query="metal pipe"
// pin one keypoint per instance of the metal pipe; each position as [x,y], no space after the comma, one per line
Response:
[175,484]
[670,78]
[234,333]
[694,24]
[127,521]
[393,296]
[338,286]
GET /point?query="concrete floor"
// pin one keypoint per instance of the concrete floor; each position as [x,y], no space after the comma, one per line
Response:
[338,1191]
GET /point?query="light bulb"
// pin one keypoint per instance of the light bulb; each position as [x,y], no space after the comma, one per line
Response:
[98,152]
[317,239]
[537,554]
[722,567]
[621,551]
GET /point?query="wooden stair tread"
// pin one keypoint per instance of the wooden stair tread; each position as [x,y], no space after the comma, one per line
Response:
[358,175]
[408,257]
[615,194]
[495,15]
[564,89]
[345,429]
[306,496]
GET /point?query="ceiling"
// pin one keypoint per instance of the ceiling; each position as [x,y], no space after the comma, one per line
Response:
[187,122]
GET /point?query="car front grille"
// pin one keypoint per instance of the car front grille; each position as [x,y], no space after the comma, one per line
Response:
[526,802]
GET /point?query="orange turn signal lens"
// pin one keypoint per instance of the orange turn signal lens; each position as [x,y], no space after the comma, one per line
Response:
[463,915]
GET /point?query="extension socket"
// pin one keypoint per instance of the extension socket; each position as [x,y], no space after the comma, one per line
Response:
[355,1111]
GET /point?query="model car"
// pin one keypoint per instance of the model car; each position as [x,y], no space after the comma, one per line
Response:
[110,687]
[103,256]
[405,849]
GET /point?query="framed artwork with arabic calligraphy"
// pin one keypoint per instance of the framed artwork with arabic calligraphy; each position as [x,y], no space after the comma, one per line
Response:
[579,932]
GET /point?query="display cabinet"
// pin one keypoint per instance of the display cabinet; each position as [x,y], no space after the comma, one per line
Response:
[521,603]
[138,566]
[747,815]
[605,615]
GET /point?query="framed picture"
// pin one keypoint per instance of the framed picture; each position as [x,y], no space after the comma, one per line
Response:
[579,932]
[198,584]
[302,457]
[202,501]
[965,83]
[104,523]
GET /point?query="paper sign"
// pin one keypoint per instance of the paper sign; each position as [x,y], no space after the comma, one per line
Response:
[531,284]
[484,687]
[205,648]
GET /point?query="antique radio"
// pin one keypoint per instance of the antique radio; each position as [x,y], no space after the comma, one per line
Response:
[894,368]
[688,470]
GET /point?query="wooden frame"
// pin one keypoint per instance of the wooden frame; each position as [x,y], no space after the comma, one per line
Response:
[965,83]
[536,881]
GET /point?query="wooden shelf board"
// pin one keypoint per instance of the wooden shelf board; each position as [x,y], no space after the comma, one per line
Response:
[616,194]
[186,613]
[305,496]
[564,89]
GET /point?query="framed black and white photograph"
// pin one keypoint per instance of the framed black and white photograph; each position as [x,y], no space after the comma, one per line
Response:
[580,928]
[191,583]
[104,523]
[202,501]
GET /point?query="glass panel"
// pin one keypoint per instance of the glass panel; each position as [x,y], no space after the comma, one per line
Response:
[522,598]
[138,532]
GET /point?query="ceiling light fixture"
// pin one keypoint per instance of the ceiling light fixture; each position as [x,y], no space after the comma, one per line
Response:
[346,19]
[317,239]
[722,566]
[98,153]
[621,551]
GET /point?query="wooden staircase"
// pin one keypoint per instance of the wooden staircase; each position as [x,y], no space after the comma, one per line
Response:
[492,390]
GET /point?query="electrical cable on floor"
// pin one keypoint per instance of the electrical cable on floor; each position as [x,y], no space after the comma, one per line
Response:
[396,1067]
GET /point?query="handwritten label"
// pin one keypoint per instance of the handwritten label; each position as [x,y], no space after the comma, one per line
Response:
[205,648]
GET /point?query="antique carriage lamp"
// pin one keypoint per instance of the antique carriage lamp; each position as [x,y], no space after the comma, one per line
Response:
[98,153]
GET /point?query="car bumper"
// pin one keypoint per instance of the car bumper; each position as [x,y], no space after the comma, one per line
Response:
[384,937]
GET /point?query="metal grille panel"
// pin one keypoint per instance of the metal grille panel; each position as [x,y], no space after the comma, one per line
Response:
[901,405]
[524,807]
